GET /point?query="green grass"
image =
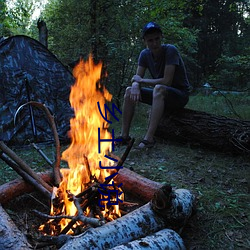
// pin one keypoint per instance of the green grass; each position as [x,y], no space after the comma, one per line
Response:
[220,181]
[233,106]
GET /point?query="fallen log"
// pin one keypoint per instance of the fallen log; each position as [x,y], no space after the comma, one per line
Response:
[212,131]
[10,237]
[148,219]
[163,239]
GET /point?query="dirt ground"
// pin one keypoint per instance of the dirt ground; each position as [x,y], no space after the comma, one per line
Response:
[220,182]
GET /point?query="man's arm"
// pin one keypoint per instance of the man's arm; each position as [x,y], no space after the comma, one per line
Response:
[135,93]
[166,80]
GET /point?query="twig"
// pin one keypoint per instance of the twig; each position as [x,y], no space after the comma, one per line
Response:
[125,155]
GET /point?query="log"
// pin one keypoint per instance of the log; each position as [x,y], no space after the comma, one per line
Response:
[138,186]
[163,239]
[211,131]
[10,237]
[18,187]
[148,219]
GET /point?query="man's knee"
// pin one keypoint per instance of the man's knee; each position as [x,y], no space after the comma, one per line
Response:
[127,92]
[159,90]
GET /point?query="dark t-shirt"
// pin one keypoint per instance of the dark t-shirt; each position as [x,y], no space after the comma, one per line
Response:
[171,56]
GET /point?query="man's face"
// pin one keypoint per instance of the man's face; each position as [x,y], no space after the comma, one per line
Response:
[153,40]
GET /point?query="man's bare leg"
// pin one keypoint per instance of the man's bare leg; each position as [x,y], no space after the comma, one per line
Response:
[128,110]
[156,113]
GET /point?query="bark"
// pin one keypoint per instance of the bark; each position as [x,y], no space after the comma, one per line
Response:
[10,237]
[43,32]
[163,239]
[212,131]
[138,186]
[18,187]
[150,218]
[23,165]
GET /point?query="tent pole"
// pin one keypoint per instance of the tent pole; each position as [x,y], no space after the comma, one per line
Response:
[33,125]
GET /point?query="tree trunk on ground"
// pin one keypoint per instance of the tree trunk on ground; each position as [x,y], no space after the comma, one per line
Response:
[212,131]
[10,237]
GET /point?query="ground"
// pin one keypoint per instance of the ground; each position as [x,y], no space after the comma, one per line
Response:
[220,182]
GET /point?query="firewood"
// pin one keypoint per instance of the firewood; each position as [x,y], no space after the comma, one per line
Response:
[133,183]
[26,176]
[10,237]
[143,221]
[163,239]
[138,186]
[18,187]
[23,165]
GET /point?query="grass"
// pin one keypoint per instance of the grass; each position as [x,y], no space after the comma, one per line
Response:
[219,180]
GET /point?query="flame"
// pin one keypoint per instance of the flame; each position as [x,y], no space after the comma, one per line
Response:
[82,155]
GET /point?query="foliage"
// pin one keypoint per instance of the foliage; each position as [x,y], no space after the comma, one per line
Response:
[4,19]
[232,72]
[212,36]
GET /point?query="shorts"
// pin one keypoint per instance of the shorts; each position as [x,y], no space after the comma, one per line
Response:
[174,100]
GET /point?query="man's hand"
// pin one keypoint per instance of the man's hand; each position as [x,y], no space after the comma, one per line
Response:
[136,78]
[135,93]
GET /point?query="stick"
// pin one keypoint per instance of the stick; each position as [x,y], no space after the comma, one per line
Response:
[124,156]
[26,176]
[23,165]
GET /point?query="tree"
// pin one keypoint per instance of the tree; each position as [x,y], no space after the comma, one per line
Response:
[223,32]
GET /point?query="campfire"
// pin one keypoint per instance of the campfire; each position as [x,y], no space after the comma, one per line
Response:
[88,209]
[88,184]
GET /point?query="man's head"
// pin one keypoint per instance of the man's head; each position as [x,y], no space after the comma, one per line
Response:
[150,28]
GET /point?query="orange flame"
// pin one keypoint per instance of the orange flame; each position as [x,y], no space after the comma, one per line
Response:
[85,94]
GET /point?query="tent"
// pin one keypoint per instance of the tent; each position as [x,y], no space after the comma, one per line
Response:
[30,72]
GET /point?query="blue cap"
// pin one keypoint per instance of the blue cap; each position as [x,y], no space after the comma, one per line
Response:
[150,26]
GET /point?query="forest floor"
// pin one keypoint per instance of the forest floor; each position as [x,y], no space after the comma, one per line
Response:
[219,180]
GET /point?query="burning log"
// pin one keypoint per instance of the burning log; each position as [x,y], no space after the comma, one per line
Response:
[165,210]
[216,132]
[163,239]
[133,183]
[10,237]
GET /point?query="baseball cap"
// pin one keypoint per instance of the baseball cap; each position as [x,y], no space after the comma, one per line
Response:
[150,26]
